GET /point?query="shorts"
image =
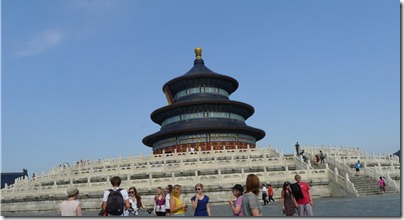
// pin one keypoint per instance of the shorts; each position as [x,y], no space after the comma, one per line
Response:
[168,211]
[357,169]
[160,213]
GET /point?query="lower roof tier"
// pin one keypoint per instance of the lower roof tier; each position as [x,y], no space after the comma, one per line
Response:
[257,134]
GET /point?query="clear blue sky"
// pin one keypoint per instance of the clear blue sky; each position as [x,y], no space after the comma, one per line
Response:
[80,78]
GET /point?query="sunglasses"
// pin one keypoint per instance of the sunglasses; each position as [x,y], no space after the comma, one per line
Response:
[131,192]
[197,189]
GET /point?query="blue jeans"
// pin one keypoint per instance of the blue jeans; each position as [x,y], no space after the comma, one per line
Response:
[178,214]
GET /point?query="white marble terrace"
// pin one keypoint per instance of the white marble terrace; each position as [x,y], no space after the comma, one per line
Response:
[218,170]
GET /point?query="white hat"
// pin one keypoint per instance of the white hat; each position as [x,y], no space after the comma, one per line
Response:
[72,190]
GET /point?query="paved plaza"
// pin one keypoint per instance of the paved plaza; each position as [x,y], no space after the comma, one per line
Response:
[375,205]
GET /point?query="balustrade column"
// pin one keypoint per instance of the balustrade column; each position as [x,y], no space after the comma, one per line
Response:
[346,181]
[374,172]
[219,173]
[242,173]
[266,172]
[336,174]
[196,178]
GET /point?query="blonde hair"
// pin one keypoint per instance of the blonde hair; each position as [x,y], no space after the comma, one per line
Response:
[162,192]
[199,184]
[176,191]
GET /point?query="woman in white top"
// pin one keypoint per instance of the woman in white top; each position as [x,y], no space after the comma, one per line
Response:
[71,206]
[135,202]
[169,189]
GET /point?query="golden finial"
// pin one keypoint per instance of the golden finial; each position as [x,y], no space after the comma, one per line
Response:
[198,53]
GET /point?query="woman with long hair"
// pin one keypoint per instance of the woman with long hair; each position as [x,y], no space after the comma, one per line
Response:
[135,201]
[200,202]
[250,203]
[169,189]
[289,203]
[177,206]
[159,203]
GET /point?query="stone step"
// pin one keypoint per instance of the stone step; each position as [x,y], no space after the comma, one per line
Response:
[365,185]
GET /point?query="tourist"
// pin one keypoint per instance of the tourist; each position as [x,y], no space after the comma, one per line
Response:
[317,159]
[357,167]
[297,148]
[382,185]
[236,204]
[159,203]
[264,192]
[135,201]
[305,203]
[322,156]
[107,203]
[270,194]
[177,206]
[200,202]
[289,203]
[303,157]
[169,189]
[71,206]
[192,150]
[250,204]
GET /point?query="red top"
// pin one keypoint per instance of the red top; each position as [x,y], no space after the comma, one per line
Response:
[305,191]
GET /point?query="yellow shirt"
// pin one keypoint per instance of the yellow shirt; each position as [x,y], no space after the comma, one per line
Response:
[178,202]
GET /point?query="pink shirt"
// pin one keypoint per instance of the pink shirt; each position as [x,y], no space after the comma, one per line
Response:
[238,202]
[305,191]
[381,182]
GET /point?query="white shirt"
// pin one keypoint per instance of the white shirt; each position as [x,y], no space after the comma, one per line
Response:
[124,193]
[168,196]
[264,190]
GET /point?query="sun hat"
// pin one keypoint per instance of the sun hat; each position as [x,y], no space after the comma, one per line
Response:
[238,187]
[72,190]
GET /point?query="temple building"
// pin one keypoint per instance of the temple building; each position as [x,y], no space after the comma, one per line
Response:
[200,115]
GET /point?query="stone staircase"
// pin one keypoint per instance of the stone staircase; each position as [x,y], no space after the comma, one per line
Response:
[367,186]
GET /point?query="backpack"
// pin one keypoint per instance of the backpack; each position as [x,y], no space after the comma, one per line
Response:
[115,202]
[297,192]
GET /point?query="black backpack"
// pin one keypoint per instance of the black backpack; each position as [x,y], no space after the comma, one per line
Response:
[297,192]
[115,202]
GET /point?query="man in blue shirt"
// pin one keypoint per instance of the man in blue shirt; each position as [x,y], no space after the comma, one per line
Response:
[357,166]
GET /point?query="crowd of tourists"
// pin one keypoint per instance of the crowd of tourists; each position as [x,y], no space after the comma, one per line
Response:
[121,202]
[295,198]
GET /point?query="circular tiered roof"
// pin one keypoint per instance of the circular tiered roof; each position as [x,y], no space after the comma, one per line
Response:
[200,111]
